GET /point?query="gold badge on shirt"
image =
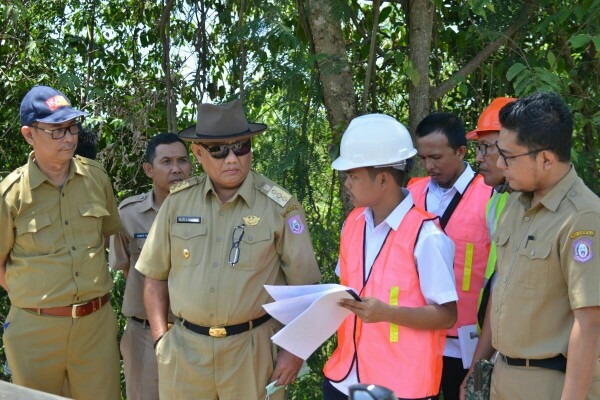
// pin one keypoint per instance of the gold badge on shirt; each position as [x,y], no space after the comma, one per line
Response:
[251,220]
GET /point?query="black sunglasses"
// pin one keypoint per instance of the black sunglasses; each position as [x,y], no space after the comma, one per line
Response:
[222,150]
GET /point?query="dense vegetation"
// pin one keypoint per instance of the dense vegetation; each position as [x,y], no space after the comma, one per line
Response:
[303,67]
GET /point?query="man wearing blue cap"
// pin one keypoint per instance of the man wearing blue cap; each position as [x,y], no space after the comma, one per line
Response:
[55,214]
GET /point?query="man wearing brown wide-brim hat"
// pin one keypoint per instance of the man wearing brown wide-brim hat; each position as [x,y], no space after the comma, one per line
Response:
[217,239]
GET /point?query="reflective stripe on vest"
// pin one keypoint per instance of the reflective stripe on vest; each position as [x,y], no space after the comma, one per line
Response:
[408,361]
[468,230]
[492,213]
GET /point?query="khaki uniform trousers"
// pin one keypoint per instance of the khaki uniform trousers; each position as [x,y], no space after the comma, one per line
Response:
[139,361]
[44,350]
[533,383]
[194,366]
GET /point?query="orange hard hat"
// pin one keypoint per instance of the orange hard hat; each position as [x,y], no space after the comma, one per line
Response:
[488,120]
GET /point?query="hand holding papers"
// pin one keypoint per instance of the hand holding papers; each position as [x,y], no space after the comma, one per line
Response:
[311,314]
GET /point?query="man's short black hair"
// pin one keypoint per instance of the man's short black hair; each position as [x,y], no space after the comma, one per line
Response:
[448,124]
[161,138]
[87,144]
[541,121]
[398,175]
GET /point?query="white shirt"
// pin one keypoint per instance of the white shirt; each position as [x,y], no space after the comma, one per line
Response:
[438,197]
[434,256]
[437,201]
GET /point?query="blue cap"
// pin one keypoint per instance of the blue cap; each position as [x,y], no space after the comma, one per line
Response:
[45,104]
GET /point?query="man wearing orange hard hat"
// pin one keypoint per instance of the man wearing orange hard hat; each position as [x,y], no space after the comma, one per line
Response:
[486,134]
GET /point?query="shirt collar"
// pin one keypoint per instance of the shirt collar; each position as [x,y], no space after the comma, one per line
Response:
[396,216]
[148,203]
[461,183]
[553,198]
[37,177]
[245,191]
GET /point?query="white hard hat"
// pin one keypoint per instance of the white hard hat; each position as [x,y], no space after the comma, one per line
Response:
[374,140]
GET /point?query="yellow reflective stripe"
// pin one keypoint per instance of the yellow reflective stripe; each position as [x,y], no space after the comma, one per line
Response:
[468,267]
[394,292]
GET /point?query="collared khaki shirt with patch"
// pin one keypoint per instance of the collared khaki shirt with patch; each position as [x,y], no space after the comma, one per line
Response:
[191,241]
[137,215]
[548,263]
[53,238]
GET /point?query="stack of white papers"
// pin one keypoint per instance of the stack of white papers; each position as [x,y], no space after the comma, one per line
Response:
[310,313]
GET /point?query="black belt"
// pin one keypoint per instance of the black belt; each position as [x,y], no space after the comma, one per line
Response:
[144,322]
[222,331]
[558,363]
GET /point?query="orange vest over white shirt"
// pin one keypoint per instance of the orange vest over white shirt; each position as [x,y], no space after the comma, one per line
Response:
[405,360]
[467,228]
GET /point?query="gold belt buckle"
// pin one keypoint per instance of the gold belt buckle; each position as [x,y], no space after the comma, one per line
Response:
[217,331]
[74,309]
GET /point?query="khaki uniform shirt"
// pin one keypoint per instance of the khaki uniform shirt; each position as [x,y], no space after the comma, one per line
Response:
[137,215]
[548,262]
[53,238]
[191,241]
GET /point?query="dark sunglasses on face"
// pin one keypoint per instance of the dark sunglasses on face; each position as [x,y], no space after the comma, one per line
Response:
[222,150]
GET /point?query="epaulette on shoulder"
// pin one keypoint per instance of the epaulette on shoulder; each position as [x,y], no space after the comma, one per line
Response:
[276,193]
[90,163]
[7,182]
[138,198]
[178,187]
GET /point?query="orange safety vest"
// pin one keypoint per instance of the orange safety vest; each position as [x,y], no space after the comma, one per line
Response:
[468,230]
[407,361]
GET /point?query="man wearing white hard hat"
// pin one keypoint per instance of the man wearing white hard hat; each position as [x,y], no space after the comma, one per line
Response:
[399,261]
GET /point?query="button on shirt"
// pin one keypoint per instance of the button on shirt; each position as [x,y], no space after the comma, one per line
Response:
[190,242]
[434,255]
[53,238]
[548,264]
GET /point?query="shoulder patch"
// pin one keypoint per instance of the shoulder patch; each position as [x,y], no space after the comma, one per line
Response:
[276,193]
[133,199]
[10,179]
[177,187]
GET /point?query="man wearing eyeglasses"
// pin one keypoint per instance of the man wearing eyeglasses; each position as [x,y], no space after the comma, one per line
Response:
[455,193]
[55,214]
[545,311]
[217,239]
[166,163]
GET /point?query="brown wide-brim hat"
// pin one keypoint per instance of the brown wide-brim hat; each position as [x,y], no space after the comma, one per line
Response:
[217,123]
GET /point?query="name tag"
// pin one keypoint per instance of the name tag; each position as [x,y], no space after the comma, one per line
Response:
[189,220]
[140,235]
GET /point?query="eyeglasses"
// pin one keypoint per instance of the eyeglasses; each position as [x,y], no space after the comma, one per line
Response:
[222,150]
[60,133]
[482,149]
[506,158]
[234,253]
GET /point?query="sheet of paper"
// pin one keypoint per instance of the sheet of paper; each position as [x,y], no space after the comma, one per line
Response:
[467,338]
[312,316]
[286,292]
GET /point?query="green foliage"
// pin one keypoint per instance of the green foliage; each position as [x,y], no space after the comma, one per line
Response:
[105,55]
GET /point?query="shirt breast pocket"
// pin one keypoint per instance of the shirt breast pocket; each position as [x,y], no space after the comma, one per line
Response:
[35,235]
[532,270]
[188,242]
[256,249]
[89,232]
[502,239]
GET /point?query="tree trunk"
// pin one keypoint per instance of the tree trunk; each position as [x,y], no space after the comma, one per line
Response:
[327,41]
[166,67]
[420,22]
